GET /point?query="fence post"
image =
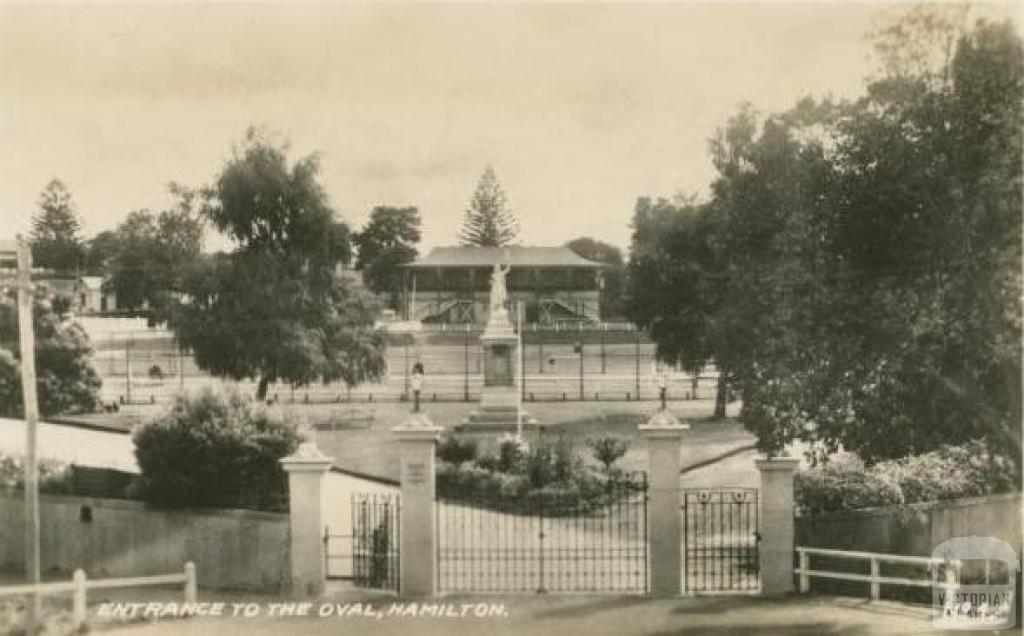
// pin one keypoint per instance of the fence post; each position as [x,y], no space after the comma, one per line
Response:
[306,469]
[663,433]
[190,583]
[876,587]
[78,600]
[417,438]
[775,553]
[805,578]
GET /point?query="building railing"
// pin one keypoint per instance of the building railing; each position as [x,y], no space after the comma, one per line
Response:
[79,586]
[875,578]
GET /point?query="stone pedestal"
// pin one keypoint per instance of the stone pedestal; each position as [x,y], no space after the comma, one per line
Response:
[776,519]
[306,469]
[663,434]
[417,438]
[499,397]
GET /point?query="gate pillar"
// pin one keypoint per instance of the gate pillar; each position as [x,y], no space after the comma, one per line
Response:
[306,469]
[663,433]
[417,543]
[776,550]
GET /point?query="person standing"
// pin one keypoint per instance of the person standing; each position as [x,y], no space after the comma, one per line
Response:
[663,388]
[416,382]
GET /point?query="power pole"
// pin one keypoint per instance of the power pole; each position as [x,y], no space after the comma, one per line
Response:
[31,404]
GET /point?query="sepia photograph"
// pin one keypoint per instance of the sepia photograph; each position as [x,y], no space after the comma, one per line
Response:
[511,318]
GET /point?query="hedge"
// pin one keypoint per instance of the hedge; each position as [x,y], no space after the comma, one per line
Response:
[847,483]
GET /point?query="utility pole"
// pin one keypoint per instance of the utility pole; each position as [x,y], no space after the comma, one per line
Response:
[31,407]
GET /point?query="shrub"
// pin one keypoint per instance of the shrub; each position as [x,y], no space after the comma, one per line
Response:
[546,474]
[457,451]
[954,471]
[215,449]
[53,476]
[608,449]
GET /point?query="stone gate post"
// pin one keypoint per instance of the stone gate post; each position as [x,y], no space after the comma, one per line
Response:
[776,550]
[418,550]
[663,433]
[306,469]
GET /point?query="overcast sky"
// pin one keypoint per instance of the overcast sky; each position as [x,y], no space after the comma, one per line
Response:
[580,109]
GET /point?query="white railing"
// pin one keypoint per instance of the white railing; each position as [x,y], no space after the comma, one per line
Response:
[875,578]
[79,586]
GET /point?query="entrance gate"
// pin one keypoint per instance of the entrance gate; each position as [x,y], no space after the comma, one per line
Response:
[720,540]
[546,544]
[369,556]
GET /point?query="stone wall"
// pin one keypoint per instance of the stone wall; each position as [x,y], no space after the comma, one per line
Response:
[232,549]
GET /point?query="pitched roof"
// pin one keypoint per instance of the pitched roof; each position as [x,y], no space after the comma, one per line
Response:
[513,255]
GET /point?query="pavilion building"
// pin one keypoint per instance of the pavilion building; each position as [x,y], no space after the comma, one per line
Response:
[452,284]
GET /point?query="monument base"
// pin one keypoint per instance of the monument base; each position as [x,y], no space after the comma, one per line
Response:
[497,412]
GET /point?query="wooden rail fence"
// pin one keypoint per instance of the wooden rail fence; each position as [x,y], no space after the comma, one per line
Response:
[79,585]
[875,578]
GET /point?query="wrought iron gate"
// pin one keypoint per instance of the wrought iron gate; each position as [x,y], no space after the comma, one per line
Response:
[546,543]
[720,540]
[369,555]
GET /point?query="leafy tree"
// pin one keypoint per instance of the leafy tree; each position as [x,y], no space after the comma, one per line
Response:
[55,227]
[613,276]
[274,309]
[66,379]
[100,252]
[864,258]
[673,286]
[215,449]
[152,253]
[386,243]
[488,222]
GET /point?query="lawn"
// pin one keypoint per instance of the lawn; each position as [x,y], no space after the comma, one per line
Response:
[373,449]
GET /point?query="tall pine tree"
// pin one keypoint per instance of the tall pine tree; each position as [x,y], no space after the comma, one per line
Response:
[488,222]
[55,241]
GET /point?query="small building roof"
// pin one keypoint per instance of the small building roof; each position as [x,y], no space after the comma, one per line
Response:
[513,255]
[91,282]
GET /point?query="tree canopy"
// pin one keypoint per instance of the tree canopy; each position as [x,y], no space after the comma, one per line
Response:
[56,243]
[856,270]
[386,243]
[612,277]
[150,255]
[275,308]
[488,221]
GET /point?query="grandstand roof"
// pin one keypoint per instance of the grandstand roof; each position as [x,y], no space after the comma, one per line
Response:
[513,255]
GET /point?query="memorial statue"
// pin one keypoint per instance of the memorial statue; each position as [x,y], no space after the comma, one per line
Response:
[498,292]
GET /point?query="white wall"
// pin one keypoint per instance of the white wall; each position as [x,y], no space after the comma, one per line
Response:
[72,445]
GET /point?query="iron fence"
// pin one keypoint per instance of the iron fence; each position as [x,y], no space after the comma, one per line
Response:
[545,543]
[370,555]
[720,540]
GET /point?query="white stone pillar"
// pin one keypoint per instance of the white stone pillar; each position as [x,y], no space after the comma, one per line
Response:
[306,469]
[775,553]
[663,433]
[417,543]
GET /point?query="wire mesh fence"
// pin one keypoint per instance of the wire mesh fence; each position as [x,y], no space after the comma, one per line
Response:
[588,364]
